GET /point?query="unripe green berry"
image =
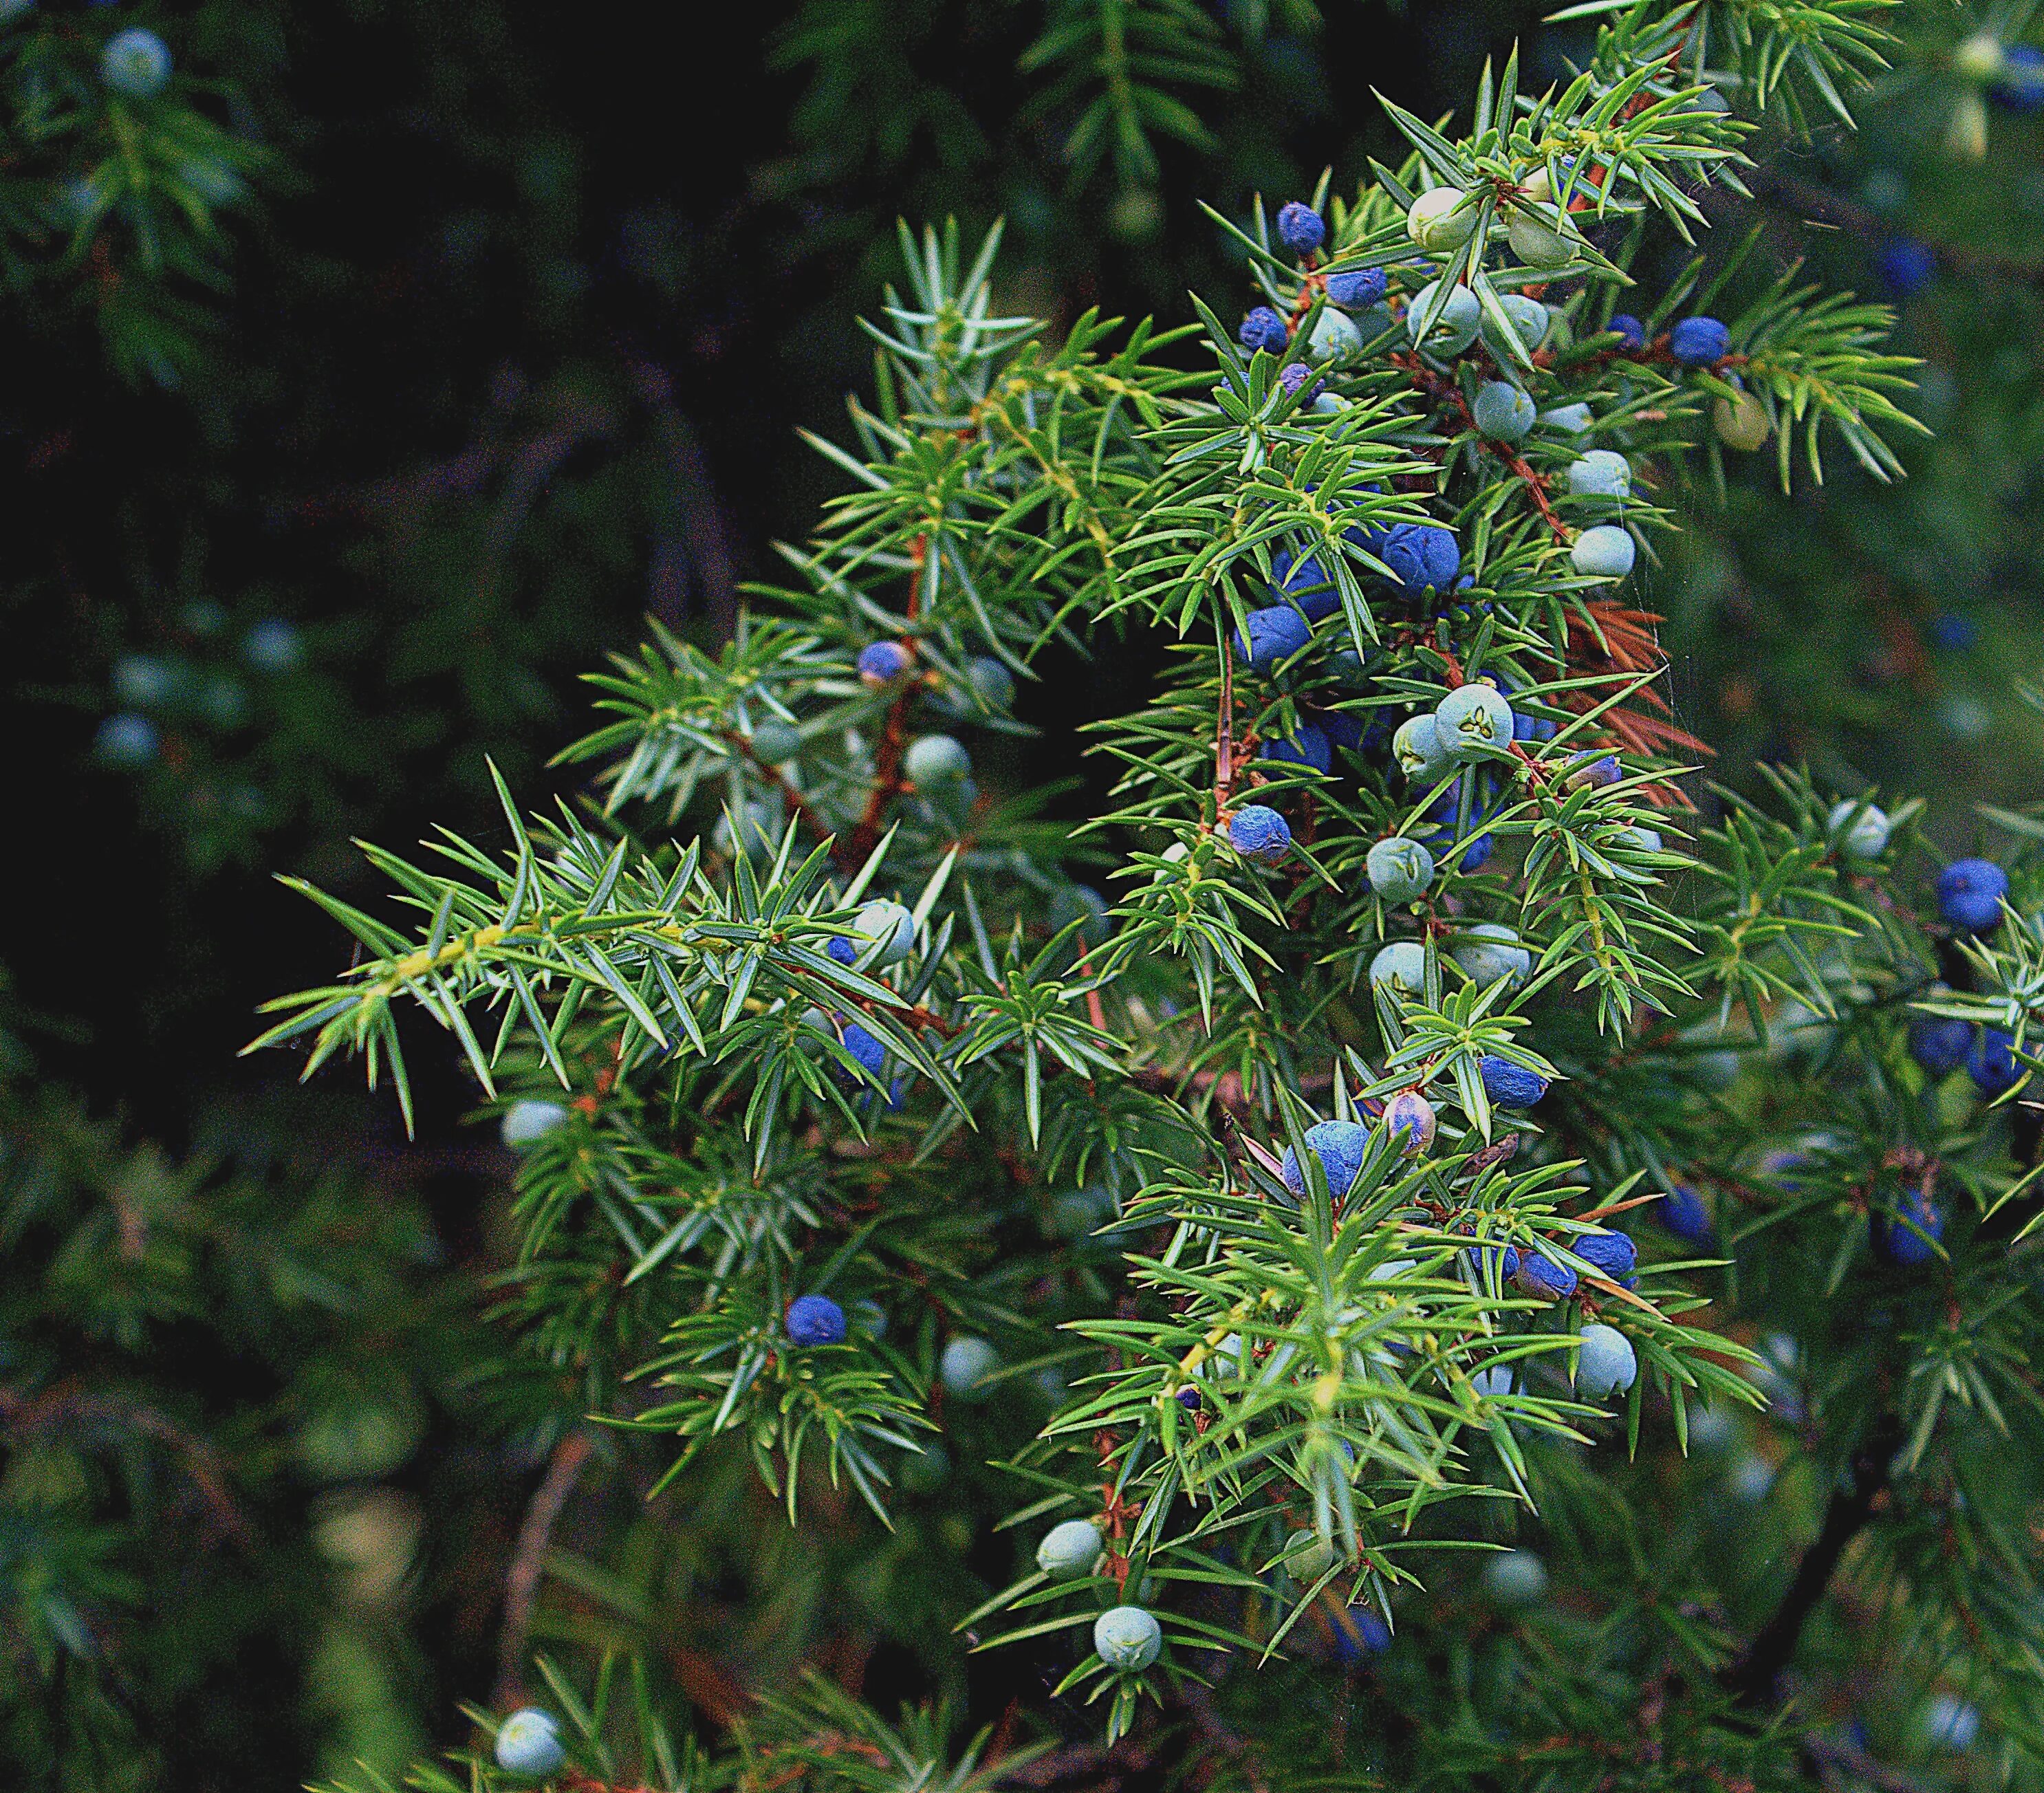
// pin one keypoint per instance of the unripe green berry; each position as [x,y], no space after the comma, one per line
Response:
[1741,422]
[891,923]
[1442,220]
[1502,411]
[935,759]
[1068,1550]
[1127,1639]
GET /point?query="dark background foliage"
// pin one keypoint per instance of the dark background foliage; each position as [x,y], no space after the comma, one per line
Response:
[510,353]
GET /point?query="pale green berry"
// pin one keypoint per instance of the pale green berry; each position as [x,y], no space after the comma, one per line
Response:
[1400,967]
[1502,411]
[1742,422]
[1399,870]
[935,759]
[965,1366]
[1605,1363]
[1335,339]
[776,743]
[1529,328]
[1471,717]
[1867,838]
[1536,243]
[1068,1550]
[1442,220]
[1980,57]
[1600,473]
[1515,1578]
[890,923]
[1454,329]
[1489,950]
[1127,1638]
[1418,749]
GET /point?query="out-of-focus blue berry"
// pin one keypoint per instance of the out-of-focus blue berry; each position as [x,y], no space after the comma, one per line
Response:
[882,662]
[1699,342]
[1299,228]
[2021,85]
[1310,747]
[1969,894]
[1274,635]
[1907,1237]
[1991,1063]
[1509,1085]
[1939,1044]
[125,741]
[1258,832]
[274,646]
[1631,333]
[1357,288]
[1683,1212]
[814,1319]
[1358,1634]
[1952,632]
[1906,266]
[869,1053]
[136,62]
[146,680]
[1263,328]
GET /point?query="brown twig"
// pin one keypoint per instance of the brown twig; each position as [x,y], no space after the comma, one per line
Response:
[521,1584]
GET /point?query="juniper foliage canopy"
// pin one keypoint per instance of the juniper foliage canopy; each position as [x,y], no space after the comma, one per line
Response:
[1057,1160]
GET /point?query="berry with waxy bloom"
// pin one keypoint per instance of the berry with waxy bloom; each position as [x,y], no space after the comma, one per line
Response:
[882,662]
[1605,1363]
[1970,894]
[1274,635]
[1299,228]
[814,1319]
[1127,1639]
[1257,832]
[1263,328]
[528,1743]
[1069,1548]
[1441,220]
[1907,1236]
[1399,870]
[1410,1119]
[1509,1085]
[1631,333]
[1356,289]
[1698,341]
[1991,1063]
[1940,1044]
[1338,1146]
[1604,550]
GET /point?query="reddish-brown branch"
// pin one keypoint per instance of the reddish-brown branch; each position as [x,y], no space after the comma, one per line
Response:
[521,1584]
[1444,390]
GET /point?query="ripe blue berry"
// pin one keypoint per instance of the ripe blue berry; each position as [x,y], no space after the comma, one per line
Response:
[1127,1639]
[965,1365]
[526,1122]
[1400,968]
[1602,473]
[1263,329]
[1257,832]
[1423,557]
[1490,950]
[936,759]
[1631,333]
[1681,1211]
[1302,582]
[1907,1237]
[1969,894]
[1502,411]
[1604,550]
[814,1319]
[1509,1085]
[528,1743]
[1299,228]
[1309,747]
[1473,716]
[1356,290]
[864,1047]
[1614,1254]
[1274,635]
[1539,1274]
[1593,771]
[1294,375]
[136,62]
[1699,342]
[1604,1362]
[1456,327]
[1410,1119]
[1399,870]
[1991,1063]
[882,662]
[1340,1147]
[1069,1548]
[1939,1044]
